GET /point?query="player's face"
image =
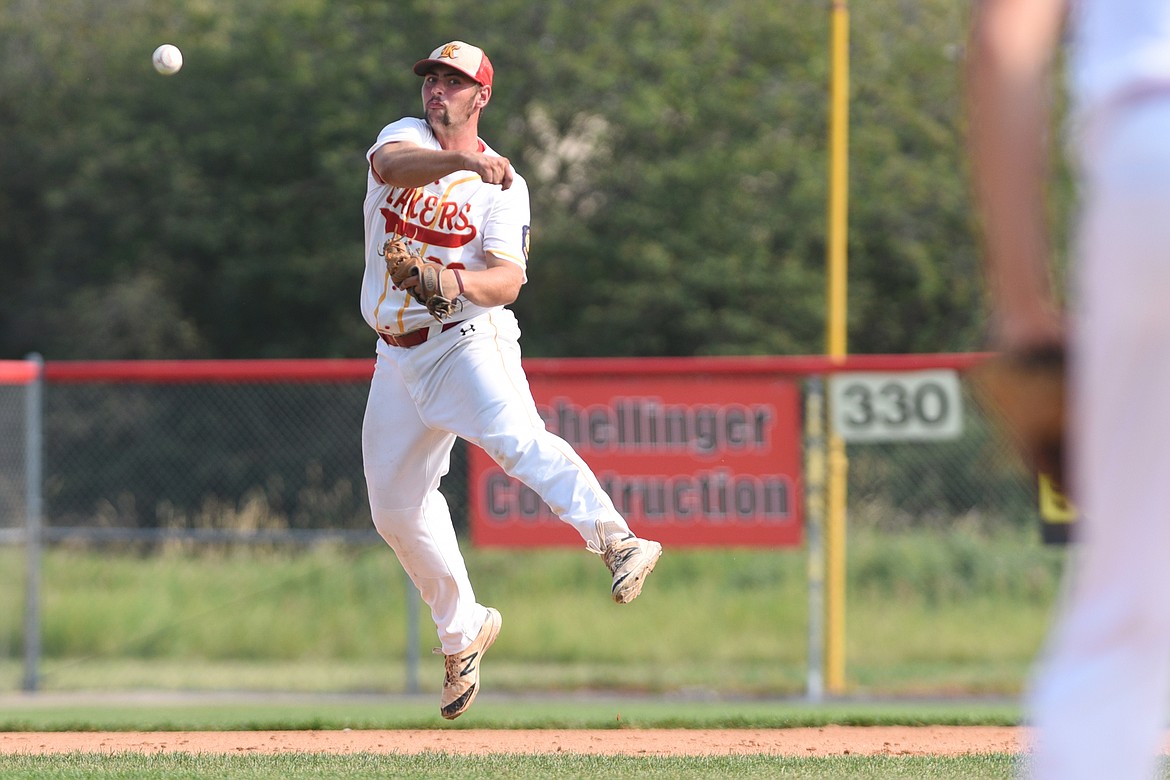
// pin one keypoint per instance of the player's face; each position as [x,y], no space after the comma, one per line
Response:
[449,97]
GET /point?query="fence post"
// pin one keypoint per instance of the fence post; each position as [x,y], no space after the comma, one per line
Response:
[412,635]
[34,451]
[814,427]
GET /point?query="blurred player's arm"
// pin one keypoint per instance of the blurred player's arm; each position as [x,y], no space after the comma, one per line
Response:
[1011,53]
[403,164]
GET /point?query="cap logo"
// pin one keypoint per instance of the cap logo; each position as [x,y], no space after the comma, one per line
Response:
[463,57]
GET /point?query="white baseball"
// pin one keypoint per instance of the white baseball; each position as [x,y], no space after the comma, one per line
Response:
[167,59]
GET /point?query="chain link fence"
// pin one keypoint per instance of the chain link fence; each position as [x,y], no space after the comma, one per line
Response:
[245,461]
[282,459]
[263,459]
[13,456]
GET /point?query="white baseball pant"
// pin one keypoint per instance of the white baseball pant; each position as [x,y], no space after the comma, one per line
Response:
[466,382]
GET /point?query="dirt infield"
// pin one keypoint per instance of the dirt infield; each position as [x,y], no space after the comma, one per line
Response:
[823,741]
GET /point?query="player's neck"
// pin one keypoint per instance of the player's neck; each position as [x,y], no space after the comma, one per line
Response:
[461,139]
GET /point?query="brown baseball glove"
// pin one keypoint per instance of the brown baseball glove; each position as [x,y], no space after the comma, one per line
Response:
[1025,393]
[420,278]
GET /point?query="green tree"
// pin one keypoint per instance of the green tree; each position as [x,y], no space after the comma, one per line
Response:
[676,155]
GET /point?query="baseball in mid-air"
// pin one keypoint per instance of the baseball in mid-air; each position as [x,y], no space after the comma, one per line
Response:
[167,59]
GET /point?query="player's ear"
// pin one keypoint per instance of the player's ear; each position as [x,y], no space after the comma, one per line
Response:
[485,94]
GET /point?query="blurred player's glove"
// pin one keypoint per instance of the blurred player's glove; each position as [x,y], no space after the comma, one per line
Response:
[1025,393]
[422,279]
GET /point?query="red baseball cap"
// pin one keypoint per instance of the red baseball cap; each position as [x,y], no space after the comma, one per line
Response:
[462,57]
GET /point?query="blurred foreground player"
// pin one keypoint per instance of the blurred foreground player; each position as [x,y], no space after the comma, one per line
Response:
[1098,700]
[463,210]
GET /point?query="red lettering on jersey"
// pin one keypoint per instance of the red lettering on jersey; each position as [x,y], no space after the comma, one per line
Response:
[402,202]
[464,220]
[460,235]
[447,214]
[426,214]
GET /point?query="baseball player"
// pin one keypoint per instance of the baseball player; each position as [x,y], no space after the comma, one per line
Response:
[1098,701]
[463,211]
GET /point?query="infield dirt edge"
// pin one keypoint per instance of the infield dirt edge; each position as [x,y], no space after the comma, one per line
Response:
[818,741]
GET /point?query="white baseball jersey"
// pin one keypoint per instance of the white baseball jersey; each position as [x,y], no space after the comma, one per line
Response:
[1099,700]
[455,221]
[1118,50]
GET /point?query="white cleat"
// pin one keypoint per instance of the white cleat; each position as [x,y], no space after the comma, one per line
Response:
[461,683]
[630,559]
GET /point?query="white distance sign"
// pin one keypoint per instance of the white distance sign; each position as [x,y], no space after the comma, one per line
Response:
[893,406]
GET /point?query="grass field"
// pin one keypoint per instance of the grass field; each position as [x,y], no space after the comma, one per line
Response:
[492,710]
[357,766]
[224,711]
[722,622]
[942,628]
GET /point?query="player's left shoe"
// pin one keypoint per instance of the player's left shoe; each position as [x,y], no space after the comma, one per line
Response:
[630,559]
[461,683]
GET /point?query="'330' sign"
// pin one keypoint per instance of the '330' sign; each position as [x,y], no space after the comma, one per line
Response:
[872,406]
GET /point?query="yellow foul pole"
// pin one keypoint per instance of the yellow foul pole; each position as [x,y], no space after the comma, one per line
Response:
[837,263]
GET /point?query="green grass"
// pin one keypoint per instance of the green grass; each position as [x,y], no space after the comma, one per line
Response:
[492,710]
[711,622]
[180,766]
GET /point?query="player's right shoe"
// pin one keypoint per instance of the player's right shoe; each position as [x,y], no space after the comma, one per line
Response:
[630,559]
[461,683]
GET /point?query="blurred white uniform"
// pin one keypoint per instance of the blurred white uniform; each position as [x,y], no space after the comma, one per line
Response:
[1100,698]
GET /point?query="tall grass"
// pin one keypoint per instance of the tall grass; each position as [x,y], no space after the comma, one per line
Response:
[927,612]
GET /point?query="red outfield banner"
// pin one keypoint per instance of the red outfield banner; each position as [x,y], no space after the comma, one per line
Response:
[690,459]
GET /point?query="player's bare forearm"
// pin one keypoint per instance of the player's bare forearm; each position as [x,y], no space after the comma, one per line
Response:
[1011,50]
[403,164]
[497,285]
[406,165]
